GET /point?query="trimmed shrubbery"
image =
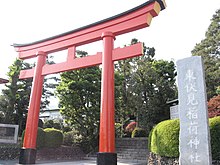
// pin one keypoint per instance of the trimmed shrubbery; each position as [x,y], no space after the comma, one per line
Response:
[164,138]
[53,137]
[48,137]
[214,106]
[215,135]
[131,126]
[138,132]
[40,138]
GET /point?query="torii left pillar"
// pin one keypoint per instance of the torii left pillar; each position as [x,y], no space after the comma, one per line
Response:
[28,151]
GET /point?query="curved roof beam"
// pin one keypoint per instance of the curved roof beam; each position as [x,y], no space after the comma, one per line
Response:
[131,20]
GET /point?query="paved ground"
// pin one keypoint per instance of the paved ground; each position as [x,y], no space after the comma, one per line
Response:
[79,162]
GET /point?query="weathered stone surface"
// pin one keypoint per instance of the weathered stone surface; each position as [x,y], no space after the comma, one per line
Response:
[174,112]
[194,130]
[60,153]
[132,148]
[155,159]
[8,133]
[9,151]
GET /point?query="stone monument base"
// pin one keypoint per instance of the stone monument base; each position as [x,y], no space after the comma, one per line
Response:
[157,159]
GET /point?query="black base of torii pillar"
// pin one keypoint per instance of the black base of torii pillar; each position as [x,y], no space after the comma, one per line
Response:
[106,158]
[27,156]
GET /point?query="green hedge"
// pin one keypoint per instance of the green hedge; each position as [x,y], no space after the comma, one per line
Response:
[164,138]
[139,132]
[215,137]
[48,137]
[54,137]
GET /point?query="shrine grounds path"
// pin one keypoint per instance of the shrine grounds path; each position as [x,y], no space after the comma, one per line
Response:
[68,162]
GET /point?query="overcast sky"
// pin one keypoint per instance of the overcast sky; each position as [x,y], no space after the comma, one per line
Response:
[173,33]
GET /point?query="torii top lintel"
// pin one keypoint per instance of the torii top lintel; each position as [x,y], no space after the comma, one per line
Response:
[131,20]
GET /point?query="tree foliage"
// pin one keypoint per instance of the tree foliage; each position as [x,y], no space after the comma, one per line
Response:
[142,87]
[209,49]
[214,106]
[79,96]
[146,85]
[14,101]
[49,85]
[15,98]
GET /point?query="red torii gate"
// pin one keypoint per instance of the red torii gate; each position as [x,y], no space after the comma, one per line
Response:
[106,30]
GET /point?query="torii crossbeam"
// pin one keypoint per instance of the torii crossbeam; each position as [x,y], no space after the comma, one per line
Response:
[106,30]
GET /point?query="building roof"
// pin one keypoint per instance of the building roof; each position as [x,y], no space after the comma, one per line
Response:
[173,102]
[50,110]
[3,81]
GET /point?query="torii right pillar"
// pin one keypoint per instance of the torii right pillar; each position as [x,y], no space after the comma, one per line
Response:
[107,155]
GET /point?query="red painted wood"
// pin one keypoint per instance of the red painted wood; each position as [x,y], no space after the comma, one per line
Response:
[34,104]
[107,113]
[127,23]
[71,53]
[105,30]
[77,63]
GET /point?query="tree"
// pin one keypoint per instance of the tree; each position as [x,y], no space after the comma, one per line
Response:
[124,80]
[3,106]
[142,87]
[155,85]
[123,96]
[209,49]
[79,96]
[147,84]
[214,106]
[15,99]
[49,85]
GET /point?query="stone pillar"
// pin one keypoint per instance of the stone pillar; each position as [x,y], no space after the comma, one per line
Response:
[194,145]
